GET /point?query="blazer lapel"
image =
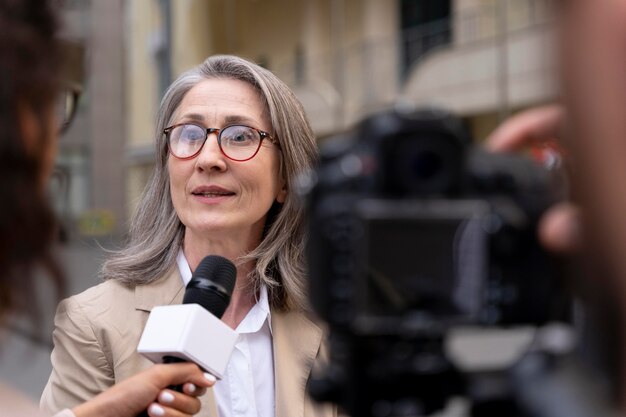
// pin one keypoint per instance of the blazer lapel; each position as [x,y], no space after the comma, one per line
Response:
[297,341]
[165,291]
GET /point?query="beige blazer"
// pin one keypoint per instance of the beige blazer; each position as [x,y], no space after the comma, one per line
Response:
[97,332]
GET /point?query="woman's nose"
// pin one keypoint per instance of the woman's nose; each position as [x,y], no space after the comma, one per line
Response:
[210,156]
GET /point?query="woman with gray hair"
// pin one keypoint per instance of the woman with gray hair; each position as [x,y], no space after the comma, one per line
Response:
[231,139]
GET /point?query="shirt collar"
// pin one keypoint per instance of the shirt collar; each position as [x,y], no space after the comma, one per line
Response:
[183,268]
[256,316]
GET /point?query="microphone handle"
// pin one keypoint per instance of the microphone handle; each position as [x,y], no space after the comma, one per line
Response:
[177,388]
[174,359]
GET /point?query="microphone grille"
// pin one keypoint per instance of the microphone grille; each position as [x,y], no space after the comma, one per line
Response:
[212,284]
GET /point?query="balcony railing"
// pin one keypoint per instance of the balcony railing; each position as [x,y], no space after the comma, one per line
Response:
[371,73]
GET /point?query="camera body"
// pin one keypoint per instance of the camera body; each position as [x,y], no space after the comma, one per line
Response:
[414,230]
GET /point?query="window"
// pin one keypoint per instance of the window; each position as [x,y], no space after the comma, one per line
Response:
[426,24]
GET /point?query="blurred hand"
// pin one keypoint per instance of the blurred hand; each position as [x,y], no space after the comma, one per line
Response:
[147,390]
[528,128]
[560,227]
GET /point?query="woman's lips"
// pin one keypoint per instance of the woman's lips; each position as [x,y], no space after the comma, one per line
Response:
[212,193]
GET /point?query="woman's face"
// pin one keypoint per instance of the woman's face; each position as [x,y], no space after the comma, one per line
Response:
[40,140]
[212,193]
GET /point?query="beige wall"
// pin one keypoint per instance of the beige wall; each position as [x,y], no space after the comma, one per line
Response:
[143,21]
[192,33]
[269,32]
[475,20]
[107,114]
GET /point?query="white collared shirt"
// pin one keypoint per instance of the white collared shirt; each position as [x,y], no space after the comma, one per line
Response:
[247,389]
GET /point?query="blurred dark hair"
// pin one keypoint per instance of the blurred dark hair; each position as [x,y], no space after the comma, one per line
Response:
[29,82]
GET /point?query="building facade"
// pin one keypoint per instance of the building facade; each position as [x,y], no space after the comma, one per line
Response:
[88,188]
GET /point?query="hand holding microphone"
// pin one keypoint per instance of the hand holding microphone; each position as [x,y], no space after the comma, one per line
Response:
[193,331]
[147,389]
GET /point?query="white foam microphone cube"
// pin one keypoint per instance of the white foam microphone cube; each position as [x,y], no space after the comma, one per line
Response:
[189,332]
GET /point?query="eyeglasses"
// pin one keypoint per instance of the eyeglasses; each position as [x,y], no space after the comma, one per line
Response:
[65,108]
[237,142]
[72,79]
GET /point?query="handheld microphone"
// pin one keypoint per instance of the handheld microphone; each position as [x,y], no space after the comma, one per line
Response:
[193,331]
[212,284]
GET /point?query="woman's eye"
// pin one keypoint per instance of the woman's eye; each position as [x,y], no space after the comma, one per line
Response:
[241,137]
[193,134]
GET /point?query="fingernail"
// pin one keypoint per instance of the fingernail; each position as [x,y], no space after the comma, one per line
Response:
[209,377]
[166,397]
[156,410]
[191,388]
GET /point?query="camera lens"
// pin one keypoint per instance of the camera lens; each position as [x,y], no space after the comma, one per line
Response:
[423,165]
[426,164]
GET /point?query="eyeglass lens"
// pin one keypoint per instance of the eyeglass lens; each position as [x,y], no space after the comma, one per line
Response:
[236,142]
[65,108]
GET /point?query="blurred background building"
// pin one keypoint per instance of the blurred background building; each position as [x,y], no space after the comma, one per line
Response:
[482,59]
[89,188]
[345,59]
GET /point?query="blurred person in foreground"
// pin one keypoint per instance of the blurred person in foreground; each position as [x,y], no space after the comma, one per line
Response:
[29,85]
[590,125]
[231,139]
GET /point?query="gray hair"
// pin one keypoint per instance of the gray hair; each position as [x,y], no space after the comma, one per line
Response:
[156,233]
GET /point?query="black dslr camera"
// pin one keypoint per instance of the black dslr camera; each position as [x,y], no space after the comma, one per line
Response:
[412,231]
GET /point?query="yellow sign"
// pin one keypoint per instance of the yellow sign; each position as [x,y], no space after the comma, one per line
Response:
[96,222]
